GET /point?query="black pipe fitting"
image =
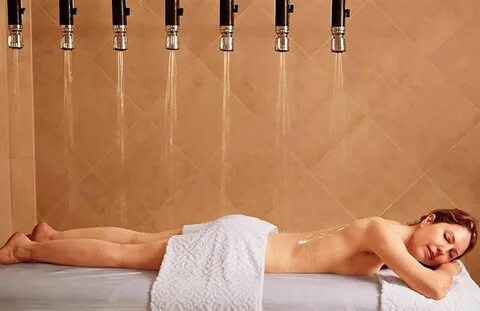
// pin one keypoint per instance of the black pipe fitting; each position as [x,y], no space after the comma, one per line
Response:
[173,11]
[66,12]
[339,13]
[120,12]
[15,12]
[283,8]
[227,10]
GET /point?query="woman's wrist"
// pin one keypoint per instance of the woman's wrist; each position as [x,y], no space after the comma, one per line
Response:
[453,267]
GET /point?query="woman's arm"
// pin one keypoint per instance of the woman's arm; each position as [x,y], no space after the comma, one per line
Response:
[390,248]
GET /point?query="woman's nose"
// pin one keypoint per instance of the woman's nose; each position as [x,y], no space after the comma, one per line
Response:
[442,250]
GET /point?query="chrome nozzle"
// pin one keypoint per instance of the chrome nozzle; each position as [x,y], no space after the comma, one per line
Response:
[226,38]
[338,44]
[282,41]
[15,37]
[67,38]
[171,40]
[120,37]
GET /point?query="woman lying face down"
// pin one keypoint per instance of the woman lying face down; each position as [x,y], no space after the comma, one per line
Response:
[442,237]
[423,254]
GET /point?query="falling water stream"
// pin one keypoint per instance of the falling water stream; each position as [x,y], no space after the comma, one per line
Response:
[225,127]
[68,128]
[283,129]
[14,109]
[121,201]
[170,118]
[337,128]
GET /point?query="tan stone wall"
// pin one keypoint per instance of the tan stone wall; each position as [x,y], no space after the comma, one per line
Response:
[17,147]
[411,126]
[5,203]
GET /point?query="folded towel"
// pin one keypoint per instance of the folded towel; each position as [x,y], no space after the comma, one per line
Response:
[464,294]
[217,265]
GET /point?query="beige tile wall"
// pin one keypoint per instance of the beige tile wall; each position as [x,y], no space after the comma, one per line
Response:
[17,148]
[411,128]
[5,200]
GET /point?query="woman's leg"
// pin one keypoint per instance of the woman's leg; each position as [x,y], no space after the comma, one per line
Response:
[84,252]
[43,232]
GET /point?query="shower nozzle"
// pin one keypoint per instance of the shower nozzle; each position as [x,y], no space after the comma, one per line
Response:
[339,13]
[173,11]
[227,10]
[119,21]
[15,26]
[66,12]
[283,8]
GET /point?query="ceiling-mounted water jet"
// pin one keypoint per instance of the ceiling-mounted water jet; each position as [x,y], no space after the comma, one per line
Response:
[339,13]
[283,8]
[227,10]
[173,11]
[119,21]
[15,26]
[66,12]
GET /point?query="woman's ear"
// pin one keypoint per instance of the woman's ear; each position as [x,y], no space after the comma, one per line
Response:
[429,219]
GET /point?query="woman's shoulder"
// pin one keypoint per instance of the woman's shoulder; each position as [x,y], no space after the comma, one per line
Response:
[367,222]
[370,227]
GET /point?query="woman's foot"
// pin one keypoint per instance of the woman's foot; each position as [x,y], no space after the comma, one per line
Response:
[41,232]
[9,253]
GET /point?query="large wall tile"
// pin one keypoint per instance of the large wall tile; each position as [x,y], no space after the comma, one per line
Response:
[432,22]
[5,200]
[458,172]
[366,171]
[460,64]
[23,194]
[196,201]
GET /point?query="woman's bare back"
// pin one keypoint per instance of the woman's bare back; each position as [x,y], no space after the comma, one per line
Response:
[338,252]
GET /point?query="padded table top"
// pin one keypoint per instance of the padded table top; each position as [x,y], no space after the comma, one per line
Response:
[29,286]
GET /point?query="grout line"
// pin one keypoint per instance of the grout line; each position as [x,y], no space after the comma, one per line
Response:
[322,185]
[427,58]
[452,147]
[424,172]
[443,192]
[401,194]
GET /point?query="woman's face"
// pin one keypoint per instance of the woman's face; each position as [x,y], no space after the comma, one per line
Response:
[436,244]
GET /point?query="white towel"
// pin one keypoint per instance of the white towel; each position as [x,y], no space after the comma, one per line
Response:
[464,294]
[217,265]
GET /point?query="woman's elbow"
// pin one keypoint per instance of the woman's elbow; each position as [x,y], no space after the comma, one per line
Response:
[438,292]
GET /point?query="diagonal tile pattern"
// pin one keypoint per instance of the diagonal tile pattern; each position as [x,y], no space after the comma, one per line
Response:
[405,141]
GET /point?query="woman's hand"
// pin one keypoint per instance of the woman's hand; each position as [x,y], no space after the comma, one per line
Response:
[453,267]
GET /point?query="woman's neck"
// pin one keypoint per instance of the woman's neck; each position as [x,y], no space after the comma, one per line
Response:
[404,231]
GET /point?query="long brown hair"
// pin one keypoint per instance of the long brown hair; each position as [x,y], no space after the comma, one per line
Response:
[455,217]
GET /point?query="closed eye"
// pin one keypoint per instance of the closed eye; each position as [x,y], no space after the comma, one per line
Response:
[446,238]
[453,254]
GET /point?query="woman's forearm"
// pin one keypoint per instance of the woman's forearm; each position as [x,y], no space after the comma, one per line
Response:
[444,279]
